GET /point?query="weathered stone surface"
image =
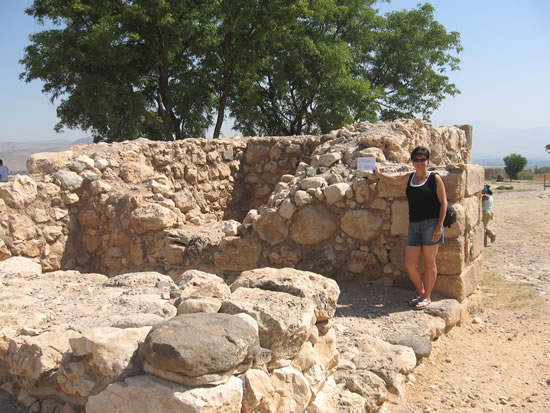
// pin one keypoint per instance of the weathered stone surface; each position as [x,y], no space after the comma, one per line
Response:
[68,180]
[199,305]
[20,192]
[31,359]
[400,218]
[312,225]
[47,162]
[322,291]
[475,175]
[134,279]
[259,393]
[462,284]
[361,224]
[195,283]
[285,322]
[148,393]
[152,217]
[100,356]
[237,254]
[271,227]
[199,349]
[451,257]
[335,192]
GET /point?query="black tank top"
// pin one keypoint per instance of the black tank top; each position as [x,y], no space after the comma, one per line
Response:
[423,200]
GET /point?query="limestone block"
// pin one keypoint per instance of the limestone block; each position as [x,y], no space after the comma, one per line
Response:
[312,225]
[462,285]
[313,182]
[292,390]
[399,218]
[475,177]
[385,190]
[451,258]
[361,224]
[21,227]
[335,192]
[98,357]
[472,208]
[152,217]
[397,255]
[47,162]
[31,359]
[200,349]
[364,263]
[271,227]
[326,400]
[361,191]
[373,152]
[135,173]
[237,254]
[19,192]
[328,159]
[388,361]
[68,180]
[138,279]
[474,242]
[285,321]
[256,153]
[195,283]
[455,184]
[81,163]
[89,218]
[258,392]
[365,391]
[199,305]
[287,209]
[19,265]
[302,198]
[148,393]
[322,291]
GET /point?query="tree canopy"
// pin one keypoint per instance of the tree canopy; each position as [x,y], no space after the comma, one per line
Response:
[169,69]
[514,163]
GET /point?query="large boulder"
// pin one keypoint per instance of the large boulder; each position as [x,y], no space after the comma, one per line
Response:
[200,349]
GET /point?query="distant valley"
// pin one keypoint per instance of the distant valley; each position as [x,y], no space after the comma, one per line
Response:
[15,154]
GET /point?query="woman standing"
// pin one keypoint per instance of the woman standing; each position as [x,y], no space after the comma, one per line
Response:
[487,213]
[427,208]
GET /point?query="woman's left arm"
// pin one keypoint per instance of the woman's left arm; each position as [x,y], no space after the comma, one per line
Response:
[442,196]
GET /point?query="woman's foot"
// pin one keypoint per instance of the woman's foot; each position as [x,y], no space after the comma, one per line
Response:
[422,304]
[414,301]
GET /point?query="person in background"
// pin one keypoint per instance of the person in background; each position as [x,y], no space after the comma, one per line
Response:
[487,213]
[4,172]
[427,208]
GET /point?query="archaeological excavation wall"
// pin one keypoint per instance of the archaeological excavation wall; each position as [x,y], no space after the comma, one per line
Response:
[231,205]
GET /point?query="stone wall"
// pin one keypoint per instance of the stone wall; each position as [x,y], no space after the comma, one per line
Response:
[236,229]
[236,204]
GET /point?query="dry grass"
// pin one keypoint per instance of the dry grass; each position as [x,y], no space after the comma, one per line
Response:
[502,294]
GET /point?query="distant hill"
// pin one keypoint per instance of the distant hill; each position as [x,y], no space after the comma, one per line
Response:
[15,154]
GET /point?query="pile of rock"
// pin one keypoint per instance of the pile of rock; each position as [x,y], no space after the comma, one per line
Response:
[142,342]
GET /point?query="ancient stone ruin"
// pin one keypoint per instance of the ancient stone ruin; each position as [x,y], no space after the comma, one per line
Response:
[201,275]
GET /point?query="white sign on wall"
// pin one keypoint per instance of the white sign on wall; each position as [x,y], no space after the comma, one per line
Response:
[366,164]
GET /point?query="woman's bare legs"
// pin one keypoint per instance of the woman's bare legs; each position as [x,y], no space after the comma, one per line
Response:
[412,255]
[430,253]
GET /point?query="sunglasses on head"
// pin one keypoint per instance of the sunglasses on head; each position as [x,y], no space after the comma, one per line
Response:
[420,159]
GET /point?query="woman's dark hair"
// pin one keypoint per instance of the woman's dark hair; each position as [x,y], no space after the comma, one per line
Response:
[420,150]
[488,190]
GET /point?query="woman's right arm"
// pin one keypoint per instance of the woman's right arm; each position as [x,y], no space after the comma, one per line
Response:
[393,180]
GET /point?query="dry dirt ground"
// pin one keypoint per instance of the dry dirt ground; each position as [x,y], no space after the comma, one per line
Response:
[501,363]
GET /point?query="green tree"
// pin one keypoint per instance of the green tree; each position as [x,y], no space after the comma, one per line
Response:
[167,69]
[514,163]
[125,69]
[547,147]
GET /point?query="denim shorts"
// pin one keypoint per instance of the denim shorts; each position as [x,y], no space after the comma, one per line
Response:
[421,232]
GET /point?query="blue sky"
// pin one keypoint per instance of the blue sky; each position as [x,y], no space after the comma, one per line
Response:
[504,73]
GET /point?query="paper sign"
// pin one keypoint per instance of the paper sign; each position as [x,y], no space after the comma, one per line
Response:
[366,164]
